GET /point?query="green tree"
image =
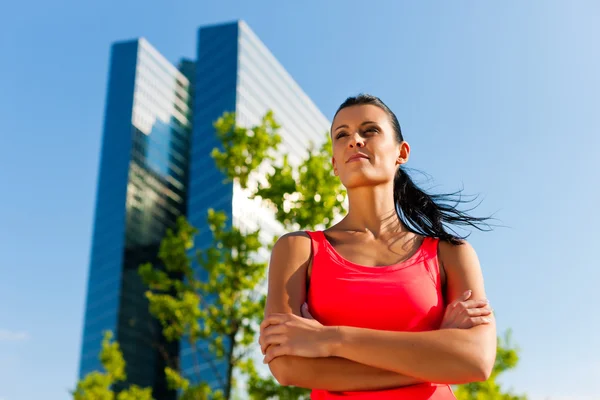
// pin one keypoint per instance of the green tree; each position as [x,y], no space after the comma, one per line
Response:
[98,385]
[507,358]
[225,308]
[308,196]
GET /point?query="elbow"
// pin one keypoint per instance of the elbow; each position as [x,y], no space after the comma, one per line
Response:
[281,370]
[486,367]
[469,371]
[480,357]
[475,364]
[483,365]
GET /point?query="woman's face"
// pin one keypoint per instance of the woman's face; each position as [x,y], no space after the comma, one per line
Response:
[365,149]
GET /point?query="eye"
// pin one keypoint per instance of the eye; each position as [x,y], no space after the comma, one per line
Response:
[341,134]
[372,129]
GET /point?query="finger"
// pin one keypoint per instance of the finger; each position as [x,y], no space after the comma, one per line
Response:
[469,304]
[464,297]
[475,321]
[274,352]
[450,317]
[263,324]
[261,342]
[452,312]
[274,319]
[466,324]
[266,350]
[479,317]
[264,345]
[269,320]
[273,340]
[476,303]
[477,312]
[272,330]
[304,311]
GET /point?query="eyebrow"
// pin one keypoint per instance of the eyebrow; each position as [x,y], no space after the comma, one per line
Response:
[364,123]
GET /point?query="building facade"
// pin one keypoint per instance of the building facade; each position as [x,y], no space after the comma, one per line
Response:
[141,191]
[144,184]
[235,72]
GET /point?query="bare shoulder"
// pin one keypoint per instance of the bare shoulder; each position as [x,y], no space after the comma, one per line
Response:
[294,246]
[287,273]
[457,254]
[463,272]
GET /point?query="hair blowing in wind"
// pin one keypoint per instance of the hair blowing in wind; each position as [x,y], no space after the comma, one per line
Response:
[433,215]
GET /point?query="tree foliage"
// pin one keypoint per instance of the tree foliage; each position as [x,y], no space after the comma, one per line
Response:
[243,150]
[214,297]
[307,196]
[211,298]
[99,385]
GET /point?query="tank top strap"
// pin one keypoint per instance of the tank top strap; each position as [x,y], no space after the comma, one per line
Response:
[318,242]
[430,246]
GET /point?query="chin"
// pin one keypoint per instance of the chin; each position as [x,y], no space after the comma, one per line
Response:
[355,180]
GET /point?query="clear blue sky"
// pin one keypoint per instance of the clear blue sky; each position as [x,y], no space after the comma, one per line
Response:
[500,98]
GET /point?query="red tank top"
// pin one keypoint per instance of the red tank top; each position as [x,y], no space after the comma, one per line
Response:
[402,297]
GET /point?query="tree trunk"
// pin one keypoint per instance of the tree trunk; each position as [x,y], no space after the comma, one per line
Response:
[230,367]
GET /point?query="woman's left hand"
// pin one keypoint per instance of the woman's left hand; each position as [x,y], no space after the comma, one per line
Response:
[289,334]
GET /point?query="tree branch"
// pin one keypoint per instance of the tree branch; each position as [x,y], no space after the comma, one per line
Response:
[209,360]
[242,355]
[172,362]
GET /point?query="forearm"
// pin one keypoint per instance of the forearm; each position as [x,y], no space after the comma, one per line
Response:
[451,356]
[335,374]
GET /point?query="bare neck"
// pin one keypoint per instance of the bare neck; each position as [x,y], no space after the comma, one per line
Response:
[372,209]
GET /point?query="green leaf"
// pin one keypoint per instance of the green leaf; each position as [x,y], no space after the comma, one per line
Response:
[98,385]
[308,197]
[507,358]
[218,317]
[175,380]
[135,393]
[244,149]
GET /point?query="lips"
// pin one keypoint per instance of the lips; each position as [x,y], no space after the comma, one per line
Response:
[357,156]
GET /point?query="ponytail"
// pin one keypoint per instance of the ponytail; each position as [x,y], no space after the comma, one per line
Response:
[428,215]
[422,213]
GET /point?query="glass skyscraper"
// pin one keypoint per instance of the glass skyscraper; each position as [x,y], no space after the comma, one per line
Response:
[144,184]
[141,191]
[236,72]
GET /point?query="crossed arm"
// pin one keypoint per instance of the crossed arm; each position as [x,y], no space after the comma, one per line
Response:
[303,353]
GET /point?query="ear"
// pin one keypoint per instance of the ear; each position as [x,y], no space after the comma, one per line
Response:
[335,172]
[403,153]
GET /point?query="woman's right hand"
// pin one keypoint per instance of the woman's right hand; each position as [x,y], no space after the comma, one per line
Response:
[464,313]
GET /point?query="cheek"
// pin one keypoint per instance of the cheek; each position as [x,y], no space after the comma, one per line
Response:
[337,152]
[384,150]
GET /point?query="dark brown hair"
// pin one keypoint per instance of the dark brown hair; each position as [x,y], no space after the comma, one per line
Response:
[424,214]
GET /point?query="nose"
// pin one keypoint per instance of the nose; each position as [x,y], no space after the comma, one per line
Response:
[357,141]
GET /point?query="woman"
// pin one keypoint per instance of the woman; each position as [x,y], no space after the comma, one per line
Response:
[388,286]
